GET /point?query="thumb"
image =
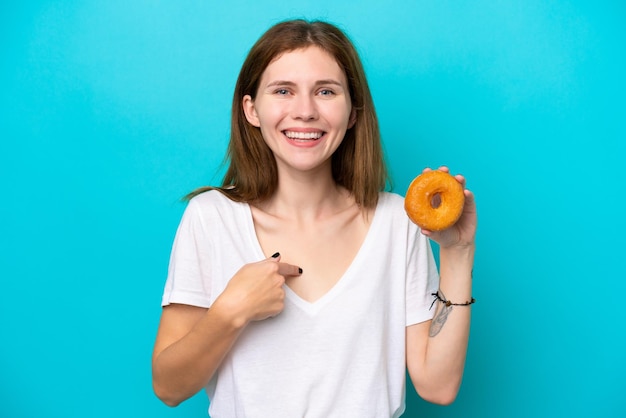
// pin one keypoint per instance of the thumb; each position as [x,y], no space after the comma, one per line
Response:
[275,256]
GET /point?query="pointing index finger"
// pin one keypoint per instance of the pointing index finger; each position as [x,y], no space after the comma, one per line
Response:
[289,269]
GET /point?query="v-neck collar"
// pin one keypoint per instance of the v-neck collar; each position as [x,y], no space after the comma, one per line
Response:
[314,307]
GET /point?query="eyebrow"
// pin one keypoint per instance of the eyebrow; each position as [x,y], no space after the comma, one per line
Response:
[317,83]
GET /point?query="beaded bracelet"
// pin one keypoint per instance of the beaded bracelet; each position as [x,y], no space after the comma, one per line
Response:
[447,302]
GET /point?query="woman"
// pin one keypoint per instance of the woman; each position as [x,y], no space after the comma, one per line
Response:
[300,288]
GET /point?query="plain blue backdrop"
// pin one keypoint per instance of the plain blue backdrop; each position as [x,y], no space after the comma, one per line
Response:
[110,111]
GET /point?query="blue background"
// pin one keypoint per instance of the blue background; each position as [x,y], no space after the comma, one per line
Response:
[110,111]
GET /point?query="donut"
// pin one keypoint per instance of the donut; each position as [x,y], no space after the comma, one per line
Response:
[434,200]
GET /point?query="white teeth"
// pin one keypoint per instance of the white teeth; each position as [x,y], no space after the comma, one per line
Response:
[303,135]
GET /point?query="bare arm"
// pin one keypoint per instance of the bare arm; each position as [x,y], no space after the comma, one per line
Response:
[436,349]
[192,342]
[190,345]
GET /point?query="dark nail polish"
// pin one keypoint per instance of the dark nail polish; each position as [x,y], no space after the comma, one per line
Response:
[299,270]
[275,255]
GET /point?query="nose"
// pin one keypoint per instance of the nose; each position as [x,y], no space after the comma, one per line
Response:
[304,107]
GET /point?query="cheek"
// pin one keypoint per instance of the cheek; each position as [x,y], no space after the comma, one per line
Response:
[342,115]
[345,110]
[270,115]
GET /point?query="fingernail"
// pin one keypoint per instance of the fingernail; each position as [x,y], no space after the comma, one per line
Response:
[275,255]
[299,270]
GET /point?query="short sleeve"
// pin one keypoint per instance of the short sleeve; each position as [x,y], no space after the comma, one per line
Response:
[188,280]
[422,278]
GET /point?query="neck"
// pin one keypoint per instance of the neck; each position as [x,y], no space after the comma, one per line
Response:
[307,196]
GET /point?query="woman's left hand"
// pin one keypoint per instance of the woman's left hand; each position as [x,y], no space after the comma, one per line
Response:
[463,232]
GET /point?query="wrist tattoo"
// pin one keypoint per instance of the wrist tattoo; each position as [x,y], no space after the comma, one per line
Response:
[441,316]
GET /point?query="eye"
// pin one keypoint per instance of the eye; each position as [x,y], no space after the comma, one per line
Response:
[281,92]
[326,92]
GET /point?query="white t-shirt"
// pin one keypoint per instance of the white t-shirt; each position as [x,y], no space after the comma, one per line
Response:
[341,356]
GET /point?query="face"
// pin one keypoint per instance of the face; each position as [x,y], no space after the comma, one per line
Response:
[303,108]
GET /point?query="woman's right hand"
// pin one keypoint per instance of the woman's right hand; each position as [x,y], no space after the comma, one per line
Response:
[256,291]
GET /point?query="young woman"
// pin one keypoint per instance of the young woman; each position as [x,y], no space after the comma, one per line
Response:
[299,288]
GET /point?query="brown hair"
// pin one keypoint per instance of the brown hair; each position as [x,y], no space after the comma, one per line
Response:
[358,164]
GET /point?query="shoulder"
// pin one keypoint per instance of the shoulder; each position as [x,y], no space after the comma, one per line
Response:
[390,202]
[391,209]
[213,205]
[210,197]
[212,200]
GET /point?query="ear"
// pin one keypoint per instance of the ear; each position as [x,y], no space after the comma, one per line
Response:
[250,111]
[352,119]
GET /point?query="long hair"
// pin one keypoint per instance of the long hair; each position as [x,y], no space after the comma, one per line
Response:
[357,164]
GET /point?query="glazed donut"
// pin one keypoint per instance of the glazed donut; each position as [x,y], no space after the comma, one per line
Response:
[434,200]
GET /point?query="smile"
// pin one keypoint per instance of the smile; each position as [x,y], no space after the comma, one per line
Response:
[303,135]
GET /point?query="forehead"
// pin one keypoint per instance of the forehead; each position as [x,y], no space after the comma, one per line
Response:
[309,62]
